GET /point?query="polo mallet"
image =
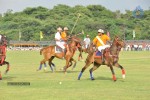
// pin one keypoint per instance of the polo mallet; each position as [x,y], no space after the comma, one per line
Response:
[75,22]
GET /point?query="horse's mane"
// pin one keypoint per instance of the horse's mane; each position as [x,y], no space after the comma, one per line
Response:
[74,38]
[91,49]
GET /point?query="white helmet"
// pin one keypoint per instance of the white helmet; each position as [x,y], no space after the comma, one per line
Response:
[66,29]
[100,30]
[59,29]
[103,31]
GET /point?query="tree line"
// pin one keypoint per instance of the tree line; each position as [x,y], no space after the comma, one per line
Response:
[29,22]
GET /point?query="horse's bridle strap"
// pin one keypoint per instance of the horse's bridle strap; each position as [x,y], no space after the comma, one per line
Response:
[115,56]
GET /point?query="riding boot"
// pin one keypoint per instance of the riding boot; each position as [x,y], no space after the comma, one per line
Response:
[102,51]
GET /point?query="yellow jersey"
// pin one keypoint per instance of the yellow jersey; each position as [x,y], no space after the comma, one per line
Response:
[104,38]
[64,35]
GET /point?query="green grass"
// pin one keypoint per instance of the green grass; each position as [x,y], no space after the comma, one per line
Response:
[45,85]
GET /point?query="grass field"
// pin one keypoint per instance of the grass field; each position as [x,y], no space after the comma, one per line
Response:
[46,85]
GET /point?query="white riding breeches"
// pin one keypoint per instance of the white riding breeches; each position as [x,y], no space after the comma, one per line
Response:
[63,43]
[86,46]
[60,45]
[100,48]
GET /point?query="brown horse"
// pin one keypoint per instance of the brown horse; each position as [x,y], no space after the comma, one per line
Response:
[81,50]
[111,56]
[49,53]
[3,45]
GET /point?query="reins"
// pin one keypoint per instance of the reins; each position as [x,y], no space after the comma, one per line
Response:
[118,49]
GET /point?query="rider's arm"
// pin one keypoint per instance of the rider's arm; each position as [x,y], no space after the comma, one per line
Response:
[57,36]
[94,41]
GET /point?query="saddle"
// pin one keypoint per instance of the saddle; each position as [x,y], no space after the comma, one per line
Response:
[58,49]
[98,54]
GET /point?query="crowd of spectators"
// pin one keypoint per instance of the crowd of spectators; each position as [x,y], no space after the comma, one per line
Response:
[24,48]
[128,47]
[137,47]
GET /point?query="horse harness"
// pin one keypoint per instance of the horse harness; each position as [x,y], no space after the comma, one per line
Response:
[114,56]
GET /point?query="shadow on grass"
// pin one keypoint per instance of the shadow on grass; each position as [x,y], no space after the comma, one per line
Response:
[61,71]
[9,78]
[104,78]
[107,79]
[100,78]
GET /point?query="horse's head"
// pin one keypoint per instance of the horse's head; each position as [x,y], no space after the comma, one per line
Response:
[76,40]
[119,42]
[91,49]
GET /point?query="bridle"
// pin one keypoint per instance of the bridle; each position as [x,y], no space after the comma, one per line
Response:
[119,46]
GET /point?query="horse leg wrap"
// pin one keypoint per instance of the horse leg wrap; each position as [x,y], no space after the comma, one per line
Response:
[53,64]
[51,68]
[40,67]
[123,73]
[79,75]
[44,64]
[114,77]
[91,75]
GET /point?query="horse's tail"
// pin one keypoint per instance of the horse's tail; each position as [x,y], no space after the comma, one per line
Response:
[41,51]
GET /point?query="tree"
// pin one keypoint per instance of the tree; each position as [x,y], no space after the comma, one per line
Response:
[31,21]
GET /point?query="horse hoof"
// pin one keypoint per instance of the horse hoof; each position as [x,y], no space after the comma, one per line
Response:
[92,78]
[123,76]
[78,78]
[115,80]
[0,78]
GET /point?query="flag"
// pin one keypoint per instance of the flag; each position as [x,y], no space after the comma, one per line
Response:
[41,35]
[83,34]
[133,34]
[19,35]
[108,34]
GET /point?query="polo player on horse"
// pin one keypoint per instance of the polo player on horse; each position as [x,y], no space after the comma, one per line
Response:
[3,45]
[100,42]
[61,38]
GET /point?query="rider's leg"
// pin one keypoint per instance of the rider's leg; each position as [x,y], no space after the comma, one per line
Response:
[101,49]
[64,51]
[63,48]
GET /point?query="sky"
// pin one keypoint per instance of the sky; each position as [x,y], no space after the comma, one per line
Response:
[113,5]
